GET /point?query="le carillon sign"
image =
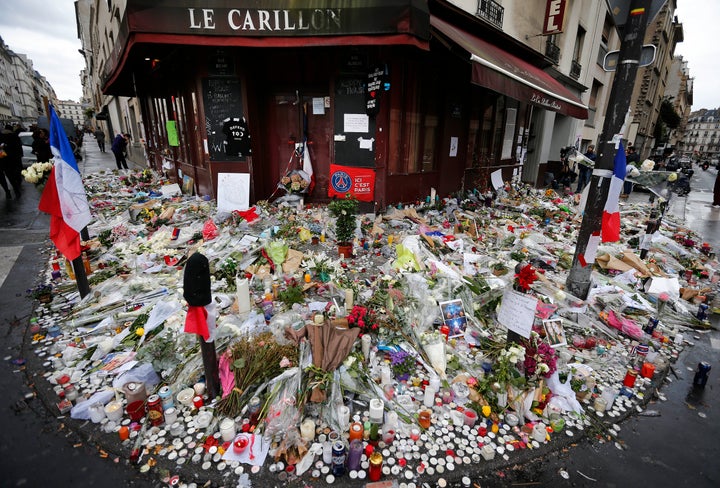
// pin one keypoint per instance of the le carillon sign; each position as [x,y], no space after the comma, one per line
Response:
[279,18]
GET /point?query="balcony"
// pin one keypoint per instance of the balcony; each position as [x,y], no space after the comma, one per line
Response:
[575,69]
[552,51]
[491,11]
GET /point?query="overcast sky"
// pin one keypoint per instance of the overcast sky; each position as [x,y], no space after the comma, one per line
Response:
[46,32]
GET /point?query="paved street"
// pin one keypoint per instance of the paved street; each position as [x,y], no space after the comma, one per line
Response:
[675,444]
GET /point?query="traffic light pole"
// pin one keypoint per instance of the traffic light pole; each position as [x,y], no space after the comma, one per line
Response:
[633,33]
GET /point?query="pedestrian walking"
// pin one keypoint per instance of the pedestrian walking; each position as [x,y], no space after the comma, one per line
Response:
[716,191]
[100,138]
[119,148]
[633,162]
[11,162]
[585,170]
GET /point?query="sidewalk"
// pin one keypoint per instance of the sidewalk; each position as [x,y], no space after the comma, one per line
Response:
[94,161]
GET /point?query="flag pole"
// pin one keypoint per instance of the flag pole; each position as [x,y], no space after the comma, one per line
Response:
[633,33]
[81,279]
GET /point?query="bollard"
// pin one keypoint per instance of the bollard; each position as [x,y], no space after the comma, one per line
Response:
[701,376]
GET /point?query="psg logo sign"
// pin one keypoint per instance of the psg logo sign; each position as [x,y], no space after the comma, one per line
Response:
[341,182]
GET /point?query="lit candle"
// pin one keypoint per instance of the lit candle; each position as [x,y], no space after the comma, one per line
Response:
[114,410]
[307,278]
[307,430]
[356,431]
[349,300]
[376,410]
[243,295]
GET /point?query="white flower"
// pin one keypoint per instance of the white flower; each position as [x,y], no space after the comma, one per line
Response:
[542,368]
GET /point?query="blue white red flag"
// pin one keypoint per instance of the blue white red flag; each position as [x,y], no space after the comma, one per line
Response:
[610,230]
[64,195]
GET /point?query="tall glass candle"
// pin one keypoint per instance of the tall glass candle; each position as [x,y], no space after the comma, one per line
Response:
[354,455]
[375,470]
[243,295]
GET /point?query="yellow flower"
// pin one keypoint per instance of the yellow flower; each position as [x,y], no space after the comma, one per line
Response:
[140,331]
[486,410]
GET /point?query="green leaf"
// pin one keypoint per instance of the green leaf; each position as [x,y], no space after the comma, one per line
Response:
[239,363]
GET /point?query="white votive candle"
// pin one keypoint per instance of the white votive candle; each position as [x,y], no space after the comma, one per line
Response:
[376,410]
[243,295]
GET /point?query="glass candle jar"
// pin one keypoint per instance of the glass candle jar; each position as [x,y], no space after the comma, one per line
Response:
[375,469]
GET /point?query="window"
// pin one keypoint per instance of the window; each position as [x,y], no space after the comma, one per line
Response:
[414,121]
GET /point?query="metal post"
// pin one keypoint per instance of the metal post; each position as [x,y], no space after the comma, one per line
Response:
[80,276]
[633,33]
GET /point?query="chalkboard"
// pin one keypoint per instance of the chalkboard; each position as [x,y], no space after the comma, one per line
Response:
[354,128]
[222,99]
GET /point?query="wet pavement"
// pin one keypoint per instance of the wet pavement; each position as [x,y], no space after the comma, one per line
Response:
[676,442]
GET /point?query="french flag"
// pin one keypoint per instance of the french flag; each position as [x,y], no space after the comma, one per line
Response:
[64,195]
[610,230]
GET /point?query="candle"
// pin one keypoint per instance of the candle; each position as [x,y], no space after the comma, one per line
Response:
[344,413]
[388,435]
[114,410]
[376,410]
[375,470]
[307,430]
[354,455]
[390,240]
[240,444]
[97,412]
[199,389]
[349,300]
[227,430]
[327,452]
[366,342]
[307,278]
[356,431]
[243,295]
[470,417]
[170,415]
[385,375]
[414,434]
[429,398]
[198,401]
[124,433]
[435,382]
[425,419]
[539,432]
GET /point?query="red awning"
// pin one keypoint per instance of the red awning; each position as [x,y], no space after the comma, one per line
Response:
[505,73]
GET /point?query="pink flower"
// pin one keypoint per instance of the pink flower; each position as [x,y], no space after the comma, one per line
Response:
[285,362]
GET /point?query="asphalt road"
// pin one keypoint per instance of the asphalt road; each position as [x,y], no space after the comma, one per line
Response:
[678,447]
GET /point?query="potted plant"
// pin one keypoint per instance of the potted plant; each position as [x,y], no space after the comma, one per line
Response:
[343,210]
[42,293]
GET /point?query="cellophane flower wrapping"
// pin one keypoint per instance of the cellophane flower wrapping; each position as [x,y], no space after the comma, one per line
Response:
[433,344]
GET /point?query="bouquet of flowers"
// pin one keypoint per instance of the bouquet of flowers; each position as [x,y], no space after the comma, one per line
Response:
[540,359]
[38,174]
[433,344]
[296,182]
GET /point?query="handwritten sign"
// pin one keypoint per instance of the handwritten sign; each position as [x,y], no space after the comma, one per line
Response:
[233,191]
[517,312]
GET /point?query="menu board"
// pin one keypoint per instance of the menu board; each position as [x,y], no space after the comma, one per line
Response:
[222,99]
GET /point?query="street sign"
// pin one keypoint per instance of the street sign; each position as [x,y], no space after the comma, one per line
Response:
[621,8]
[647,57]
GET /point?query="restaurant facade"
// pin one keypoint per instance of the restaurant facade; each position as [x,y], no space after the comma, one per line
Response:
[390,98]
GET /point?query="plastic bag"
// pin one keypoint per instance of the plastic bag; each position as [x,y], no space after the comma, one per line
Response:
[563,394]
[143,372]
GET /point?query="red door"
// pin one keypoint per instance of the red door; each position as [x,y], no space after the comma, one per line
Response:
[290,118]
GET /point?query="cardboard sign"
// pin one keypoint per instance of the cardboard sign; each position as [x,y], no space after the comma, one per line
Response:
[358,182]
[517,312]
[233,191]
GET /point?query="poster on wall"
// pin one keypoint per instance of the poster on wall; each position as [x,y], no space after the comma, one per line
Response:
[358,182]
[233,191]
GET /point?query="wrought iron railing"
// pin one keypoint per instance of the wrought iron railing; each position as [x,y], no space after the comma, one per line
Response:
[491,11]
[552,51]
[575,69]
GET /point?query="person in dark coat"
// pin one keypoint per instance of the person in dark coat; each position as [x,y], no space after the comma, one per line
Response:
[585,171]
[41,146]
[119,146]
[100,138]
[11,163]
